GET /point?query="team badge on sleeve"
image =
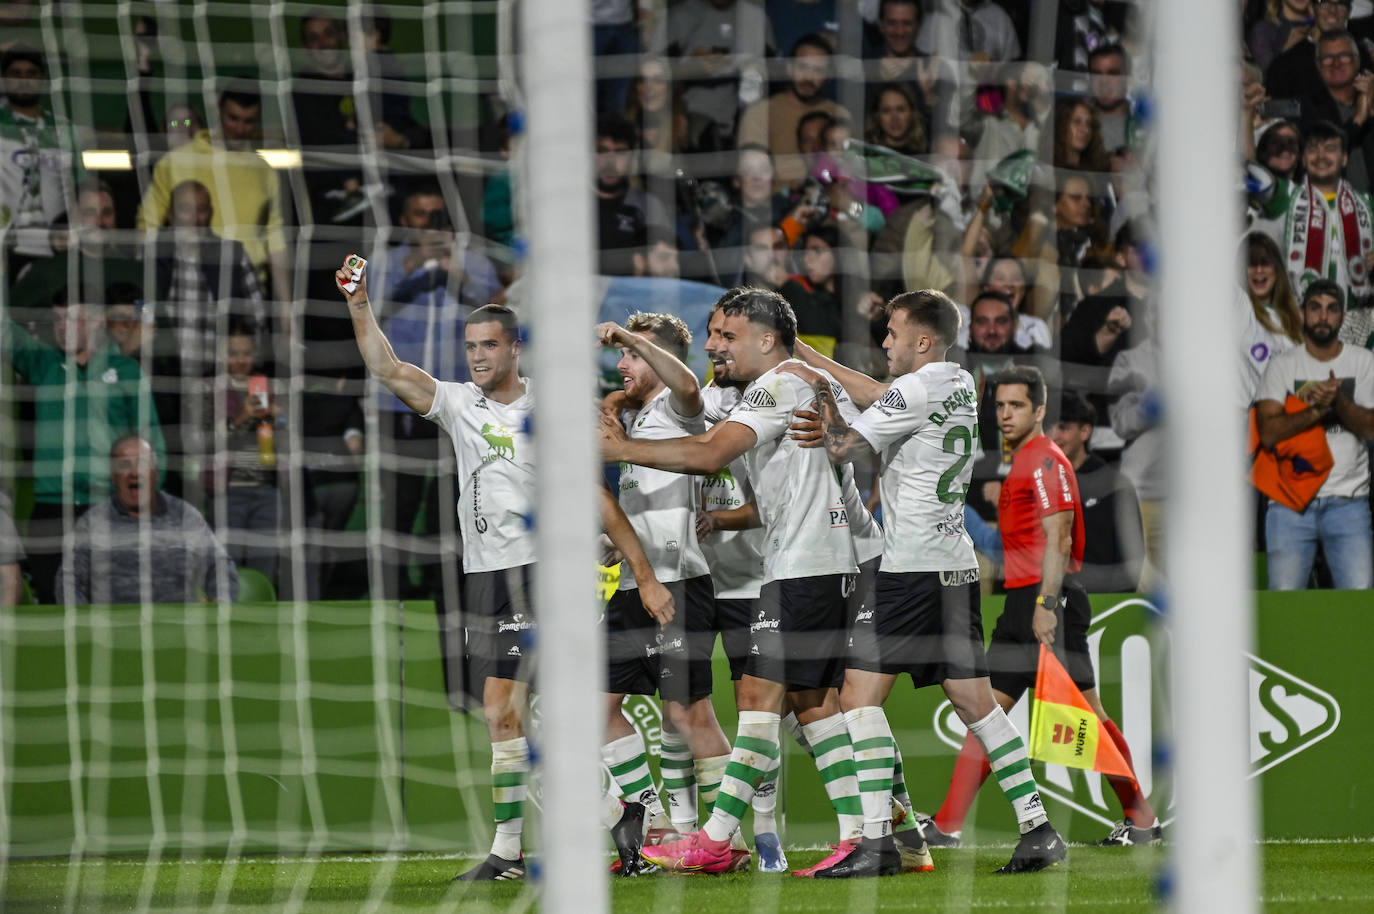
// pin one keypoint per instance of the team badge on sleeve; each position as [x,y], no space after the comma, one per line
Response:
[892,400]
[761,399]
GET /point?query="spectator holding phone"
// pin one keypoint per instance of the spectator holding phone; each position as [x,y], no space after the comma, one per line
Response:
[1286,25]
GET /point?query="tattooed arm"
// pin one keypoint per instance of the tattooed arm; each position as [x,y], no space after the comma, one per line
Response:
[842,443]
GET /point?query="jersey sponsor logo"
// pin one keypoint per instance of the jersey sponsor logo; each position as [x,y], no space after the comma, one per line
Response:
[722,479]
[501,440]
[673,645]
[839,517]
[517,623]
[959,578]
[763,623]
[1064,490]
[863,615]
[952,525]
[759,398]
[1039,477]
[892,400]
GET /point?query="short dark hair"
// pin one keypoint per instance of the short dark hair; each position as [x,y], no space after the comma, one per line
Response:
[765,308]
[1321,131]
[884,4]
[812,40]
[617,127]
[497,314]
[241,92]
[123,293]
[22,52]
[1323,287]
[1075,408]
[240,325]
[1110,50]
[810,116]
[1028,375]
[932,309]
[992,295]
[317,13]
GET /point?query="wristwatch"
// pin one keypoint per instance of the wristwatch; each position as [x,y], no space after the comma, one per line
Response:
[1052,603]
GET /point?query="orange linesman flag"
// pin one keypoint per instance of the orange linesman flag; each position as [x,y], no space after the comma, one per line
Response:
[1064,730]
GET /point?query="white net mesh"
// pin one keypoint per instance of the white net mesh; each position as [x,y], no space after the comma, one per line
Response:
[265,666]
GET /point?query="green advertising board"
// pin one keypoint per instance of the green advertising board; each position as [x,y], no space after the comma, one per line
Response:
[327,727]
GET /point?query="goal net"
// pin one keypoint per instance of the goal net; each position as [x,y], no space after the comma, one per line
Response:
[239,656]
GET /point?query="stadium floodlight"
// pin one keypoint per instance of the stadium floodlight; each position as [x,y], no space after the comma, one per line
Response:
[1208,530]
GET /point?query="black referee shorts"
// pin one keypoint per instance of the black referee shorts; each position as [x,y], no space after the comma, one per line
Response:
[1014,653]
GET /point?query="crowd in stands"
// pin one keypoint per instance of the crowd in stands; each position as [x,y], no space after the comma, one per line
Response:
[836,151]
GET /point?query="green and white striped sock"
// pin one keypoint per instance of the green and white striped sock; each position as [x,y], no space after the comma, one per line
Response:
[510,770]
[629,766]
[765,802]
[709,772]
[874,755]
[679,781]
[899,792]
[1011,766]
[829,742]
[755,749]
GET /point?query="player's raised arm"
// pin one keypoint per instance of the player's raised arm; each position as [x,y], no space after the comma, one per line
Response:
[700,455]
[862,389]
[682,384]
[842,443]
[410,383]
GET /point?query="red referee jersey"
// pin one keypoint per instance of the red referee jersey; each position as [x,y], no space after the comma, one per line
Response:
[1041,483]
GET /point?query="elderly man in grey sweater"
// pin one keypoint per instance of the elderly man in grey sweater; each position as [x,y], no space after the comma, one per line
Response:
[144,544]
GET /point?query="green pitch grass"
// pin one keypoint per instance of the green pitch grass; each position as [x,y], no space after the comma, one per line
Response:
[1298,877]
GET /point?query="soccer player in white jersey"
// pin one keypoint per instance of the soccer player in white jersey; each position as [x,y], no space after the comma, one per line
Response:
[662,401]
[927,620]
[733,540]
[797,636]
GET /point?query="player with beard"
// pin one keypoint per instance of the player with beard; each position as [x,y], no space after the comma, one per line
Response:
[662,401]
[796,636]
[926,620]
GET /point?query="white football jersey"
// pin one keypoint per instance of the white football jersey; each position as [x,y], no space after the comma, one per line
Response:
[662,506]
[735,556]
[800,495]
[925,427]
[495,473]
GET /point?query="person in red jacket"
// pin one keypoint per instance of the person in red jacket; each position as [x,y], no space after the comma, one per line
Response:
[1040,517]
